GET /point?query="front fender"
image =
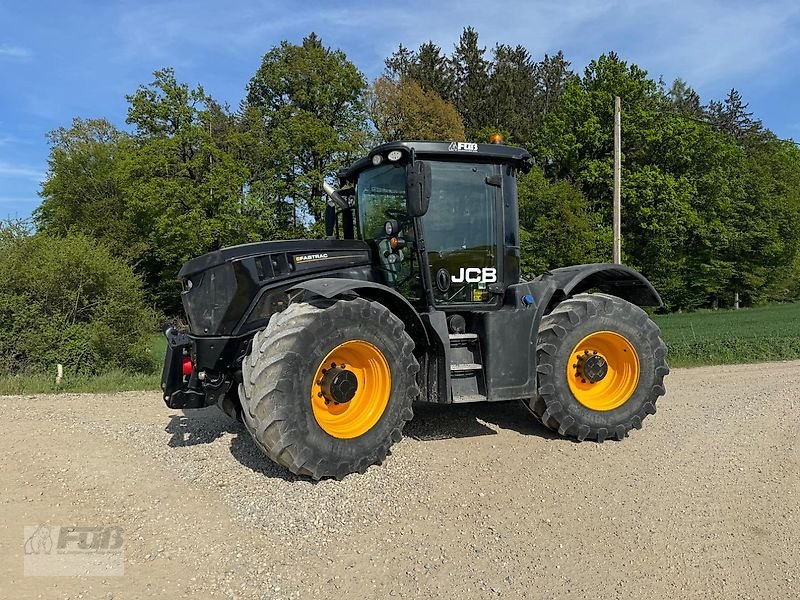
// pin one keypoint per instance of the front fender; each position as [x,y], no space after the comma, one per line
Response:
[330,287]
[617,280]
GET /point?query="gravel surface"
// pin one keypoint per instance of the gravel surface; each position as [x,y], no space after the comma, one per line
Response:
[476,502]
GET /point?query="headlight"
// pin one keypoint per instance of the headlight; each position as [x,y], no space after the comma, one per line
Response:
[391,227]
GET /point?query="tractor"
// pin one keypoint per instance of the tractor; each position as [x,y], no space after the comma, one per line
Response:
[322,347]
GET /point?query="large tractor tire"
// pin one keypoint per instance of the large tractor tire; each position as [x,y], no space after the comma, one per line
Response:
[601,368]
[328,388]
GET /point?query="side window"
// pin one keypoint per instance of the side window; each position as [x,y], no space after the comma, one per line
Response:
[460,232]
[381,191]
[382,196]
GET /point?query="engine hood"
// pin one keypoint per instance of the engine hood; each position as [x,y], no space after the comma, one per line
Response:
[336,250]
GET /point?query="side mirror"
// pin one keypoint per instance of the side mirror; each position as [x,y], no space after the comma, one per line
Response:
[418,188]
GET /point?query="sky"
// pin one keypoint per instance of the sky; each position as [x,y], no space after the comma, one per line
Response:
[60,60]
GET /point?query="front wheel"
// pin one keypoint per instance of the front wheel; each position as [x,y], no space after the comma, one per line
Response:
[327,388]
[601,368]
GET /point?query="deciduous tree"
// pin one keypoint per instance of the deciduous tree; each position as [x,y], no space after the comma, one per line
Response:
[403,110]
[311,101]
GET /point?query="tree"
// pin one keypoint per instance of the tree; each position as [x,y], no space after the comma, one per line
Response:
[427,66]
[732,117]
[184,194]
[684,99]
[551,75]
[432,72]
[471,72]
[557,228]
[399,63]
[68,300]
[311,101]
[403,110]
[679,178]
[84,182]
[511,92]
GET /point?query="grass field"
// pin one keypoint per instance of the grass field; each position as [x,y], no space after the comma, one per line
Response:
[728,337]
[702,338]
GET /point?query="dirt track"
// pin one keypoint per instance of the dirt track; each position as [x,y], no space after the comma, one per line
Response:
[477,502]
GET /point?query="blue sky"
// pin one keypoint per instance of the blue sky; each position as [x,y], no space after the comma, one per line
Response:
[64,59]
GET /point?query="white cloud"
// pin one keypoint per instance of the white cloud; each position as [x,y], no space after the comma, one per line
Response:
[710,42]
[713,44]
[15,52]
[20,200]
[22,171]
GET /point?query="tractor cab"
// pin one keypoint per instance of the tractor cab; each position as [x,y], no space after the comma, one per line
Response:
[441,218]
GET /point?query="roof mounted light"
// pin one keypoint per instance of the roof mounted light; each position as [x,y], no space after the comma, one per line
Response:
[496,138]
[377,159]
[395,155]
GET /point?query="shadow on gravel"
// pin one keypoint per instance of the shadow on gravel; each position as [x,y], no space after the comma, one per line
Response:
[201,426]
[446,421]
[431,422]
[206,425]
[244,449]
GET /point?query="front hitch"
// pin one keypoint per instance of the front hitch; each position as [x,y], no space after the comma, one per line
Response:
[179,379]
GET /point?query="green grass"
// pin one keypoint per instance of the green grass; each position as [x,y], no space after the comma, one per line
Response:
[113,381]
[694,339]
[730,337]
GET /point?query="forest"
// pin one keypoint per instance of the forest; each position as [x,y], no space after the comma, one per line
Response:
[711,197]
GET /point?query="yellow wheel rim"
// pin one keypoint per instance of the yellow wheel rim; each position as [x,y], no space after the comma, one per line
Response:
[350,419]
[603,371]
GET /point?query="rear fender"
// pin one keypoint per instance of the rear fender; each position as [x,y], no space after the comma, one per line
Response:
[616,280]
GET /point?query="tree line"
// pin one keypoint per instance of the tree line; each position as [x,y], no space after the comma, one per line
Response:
[711,197]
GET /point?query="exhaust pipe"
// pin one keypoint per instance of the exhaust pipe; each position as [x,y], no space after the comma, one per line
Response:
[334,196]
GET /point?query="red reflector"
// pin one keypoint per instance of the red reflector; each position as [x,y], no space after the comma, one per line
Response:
[187,366]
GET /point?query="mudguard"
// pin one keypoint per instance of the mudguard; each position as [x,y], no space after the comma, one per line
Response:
[617,280]
[330,287]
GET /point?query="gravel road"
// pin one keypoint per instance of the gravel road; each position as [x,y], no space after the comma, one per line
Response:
[476,502]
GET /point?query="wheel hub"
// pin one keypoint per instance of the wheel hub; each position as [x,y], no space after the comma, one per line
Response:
[591,367]
[338,384]
[604,370]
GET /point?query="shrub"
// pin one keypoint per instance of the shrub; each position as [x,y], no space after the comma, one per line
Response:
[67,300]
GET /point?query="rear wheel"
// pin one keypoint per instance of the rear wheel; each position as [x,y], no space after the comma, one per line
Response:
[601,368]
[327,389]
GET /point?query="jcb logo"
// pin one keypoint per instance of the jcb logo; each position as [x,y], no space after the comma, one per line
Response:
[475,275]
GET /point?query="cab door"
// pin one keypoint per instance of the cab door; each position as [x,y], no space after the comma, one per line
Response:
[461,230]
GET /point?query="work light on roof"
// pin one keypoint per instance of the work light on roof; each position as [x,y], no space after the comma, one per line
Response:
[377,159]
[394,155]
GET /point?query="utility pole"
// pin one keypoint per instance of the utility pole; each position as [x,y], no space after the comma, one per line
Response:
[617,253]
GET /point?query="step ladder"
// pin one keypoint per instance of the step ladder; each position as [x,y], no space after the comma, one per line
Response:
[467,379]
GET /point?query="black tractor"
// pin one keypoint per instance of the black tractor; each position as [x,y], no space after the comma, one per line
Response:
[321,347]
